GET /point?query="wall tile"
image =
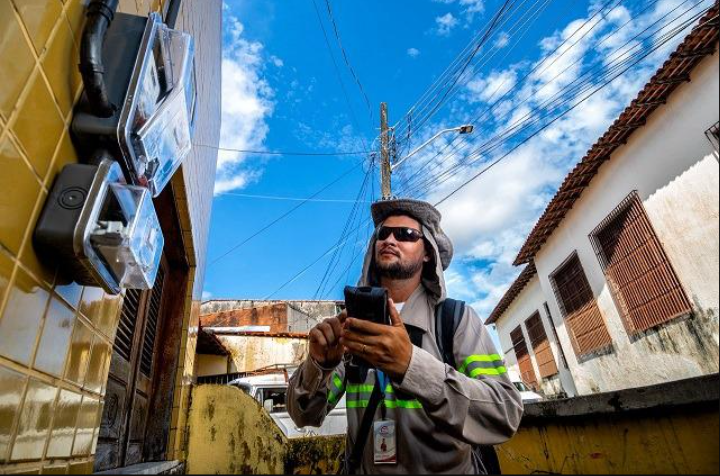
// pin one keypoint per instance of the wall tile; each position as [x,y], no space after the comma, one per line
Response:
[106,318]
[20,192]
[65,155]
[61,66]
[20,322]
[6,268]
[82,467]
[39,17]
[63,432]
[69,290]
[16,58]
[75,12]
[99,356]
[55,340]
[12,386]
[34,424]
[86,422]
[55,469]
[39,126]
[79,353]
[91,300]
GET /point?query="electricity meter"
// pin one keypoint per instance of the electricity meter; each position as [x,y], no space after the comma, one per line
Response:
[101,230]
[150,77]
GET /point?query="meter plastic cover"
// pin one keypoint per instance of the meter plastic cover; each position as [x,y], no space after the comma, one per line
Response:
[128,236]
[160,106]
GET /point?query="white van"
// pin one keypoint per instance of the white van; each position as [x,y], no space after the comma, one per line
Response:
[271,389]
[526,393]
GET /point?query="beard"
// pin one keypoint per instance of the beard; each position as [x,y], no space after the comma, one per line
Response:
[400,269]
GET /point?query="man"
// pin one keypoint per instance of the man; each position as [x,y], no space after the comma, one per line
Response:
[436,412]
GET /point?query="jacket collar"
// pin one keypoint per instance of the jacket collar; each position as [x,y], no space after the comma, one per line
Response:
[418,309]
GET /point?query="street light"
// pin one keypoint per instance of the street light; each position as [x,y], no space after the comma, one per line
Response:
[462,130]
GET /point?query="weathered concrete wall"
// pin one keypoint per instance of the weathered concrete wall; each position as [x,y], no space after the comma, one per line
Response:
[231,434]
[211,365]
[251,353]
[672,428]
[314,309]
[672,166]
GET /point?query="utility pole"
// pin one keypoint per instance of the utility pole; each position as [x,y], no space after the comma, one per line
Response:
[385,169]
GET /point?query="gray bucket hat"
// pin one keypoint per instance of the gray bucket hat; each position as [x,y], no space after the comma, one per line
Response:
[423,212]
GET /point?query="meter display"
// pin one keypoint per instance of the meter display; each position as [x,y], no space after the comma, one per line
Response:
[127,236]
[102,231]
[156,123]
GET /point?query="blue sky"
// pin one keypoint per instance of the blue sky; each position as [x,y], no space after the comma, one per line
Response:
[282,92]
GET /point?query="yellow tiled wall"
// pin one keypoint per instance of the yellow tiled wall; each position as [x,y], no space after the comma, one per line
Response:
[55,337]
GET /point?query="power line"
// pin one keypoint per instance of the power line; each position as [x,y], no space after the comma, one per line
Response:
[347,60]
[288,153]
[289,199]
[281,217]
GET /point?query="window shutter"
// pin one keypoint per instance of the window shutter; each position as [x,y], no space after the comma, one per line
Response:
[643,282]
[586,326]
[527,374]
[541,346]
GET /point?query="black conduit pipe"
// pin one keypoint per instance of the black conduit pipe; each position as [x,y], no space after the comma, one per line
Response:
[172,13]
[100,14]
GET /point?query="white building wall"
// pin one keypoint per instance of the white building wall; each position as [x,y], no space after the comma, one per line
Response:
[250,353]
[531,300]
[672,165]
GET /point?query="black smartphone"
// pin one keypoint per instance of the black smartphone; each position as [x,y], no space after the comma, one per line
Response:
[370,304]
[367,303]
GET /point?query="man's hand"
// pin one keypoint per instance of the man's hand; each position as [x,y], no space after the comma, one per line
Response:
[325,347]
[387,348]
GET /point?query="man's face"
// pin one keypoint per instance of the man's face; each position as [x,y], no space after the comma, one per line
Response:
[400,259]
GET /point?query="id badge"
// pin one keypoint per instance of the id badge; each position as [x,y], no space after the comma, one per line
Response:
[384,442]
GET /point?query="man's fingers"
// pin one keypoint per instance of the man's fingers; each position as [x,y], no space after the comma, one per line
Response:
[329,333]
[350,336]
[365,327]
[357,348]
[394,314]
[336,326]
[317,336]
[342,316]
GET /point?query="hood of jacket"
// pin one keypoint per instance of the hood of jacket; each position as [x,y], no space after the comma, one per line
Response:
[439,247]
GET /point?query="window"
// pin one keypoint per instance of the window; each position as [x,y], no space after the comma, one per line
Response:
[586,327]
[641,278]
[527,374]
[541,346]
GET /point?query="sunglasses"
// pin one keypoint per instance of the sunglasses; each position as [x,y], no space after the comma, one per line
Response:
[401,233]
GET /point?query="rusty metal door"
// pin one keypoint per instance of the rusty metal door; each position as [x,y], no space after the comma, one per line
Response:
[130,380]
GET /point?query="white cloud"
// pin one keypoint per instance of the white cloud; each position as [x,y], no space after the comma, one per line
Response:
[278,62]
[206,295]
[413,52]
[502,40]
[445,24]
[246,106]
[468,8]
[491,217]
[495,85]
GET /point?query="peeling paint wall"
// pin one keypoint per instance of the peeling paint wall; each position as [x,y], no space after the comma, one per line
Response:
[251,353]
[231,434]
[672,166]
[211,365]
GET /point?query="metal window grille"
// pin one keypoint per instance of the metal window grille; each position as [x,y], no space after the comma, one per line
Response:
[640,275]
[153,314]
[527,374]
[541,346]
[126,327]
[585,323]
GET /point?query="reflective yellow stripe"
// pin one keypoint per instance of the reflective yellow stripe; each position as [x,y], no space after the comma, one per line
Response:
[479,358]
[407,404]
[357,403]
[496,371]
[357,388]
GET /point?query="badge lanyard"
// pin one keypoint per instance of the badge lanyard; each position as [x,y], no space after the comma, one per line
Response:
[383,381]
